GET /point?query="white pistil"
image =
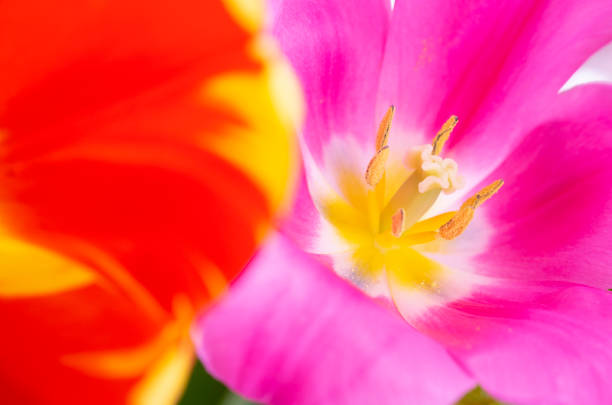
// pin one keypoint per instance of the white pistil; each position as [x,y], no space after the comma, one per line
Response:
[437,172]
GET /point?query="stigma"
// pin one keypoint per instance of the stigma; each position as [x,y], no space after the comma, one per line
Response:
[439,173]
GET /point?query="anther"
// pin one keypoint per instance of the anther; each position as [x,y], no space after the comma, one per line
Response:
[458,223]
[376,167]
[382,136]
[443,135]
[398,223]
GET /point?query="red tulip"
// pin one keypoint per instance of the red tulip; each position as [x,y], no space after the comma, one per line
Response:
[145,150]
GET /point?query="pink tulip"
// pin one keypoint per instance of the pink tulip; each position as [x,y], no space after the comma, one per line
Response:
[505,287]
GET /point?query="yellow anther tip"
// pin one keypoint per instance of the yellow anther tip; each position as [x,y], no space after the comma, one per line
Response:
[452,121]
[484,194]
[443,134]
[376,167]
[382,136]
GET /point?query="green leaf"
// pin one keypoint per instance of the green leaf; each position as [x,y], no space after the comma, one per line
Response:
[202,389]
[478,396]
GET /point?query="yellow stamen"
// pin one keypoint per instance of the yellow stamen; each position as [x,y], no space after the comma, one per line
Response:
[462,218]
[443,134]
[382,136]
[431,224]
[417,238]
[397,223]
[376,167]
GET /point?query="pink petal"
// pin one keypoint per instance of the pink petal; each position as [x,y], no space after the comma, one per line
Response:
[291,332]
[302,223]
[532,344]
[553,217]
[336,49]
[305,224]
[494,64]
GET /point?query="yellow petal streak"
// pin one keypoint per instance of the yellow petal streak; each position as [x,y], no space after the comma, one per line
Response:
[126,362]
[368,261]
[248,13]
[162,365]
[458,223]
[346,219]
[166,379]
[134,361]
[408,268]
[262,144]
[213,278]
[29,270]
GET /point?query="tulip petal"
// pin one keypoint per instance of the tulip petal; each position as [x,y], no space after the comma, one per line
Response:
[148,154]
[553,217]
[131,163]
[291,332]
[493,64]
[302,225]
[531,343]
[337,51]
[529,329]
[48,334]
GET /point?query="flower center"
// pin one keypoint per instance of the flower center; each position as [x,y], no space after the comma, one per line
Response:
[429,175]
[394,200]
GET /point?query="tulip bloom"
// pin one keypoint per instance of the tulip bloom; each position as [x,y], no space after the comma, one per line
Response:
[416,118]
[132,186]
